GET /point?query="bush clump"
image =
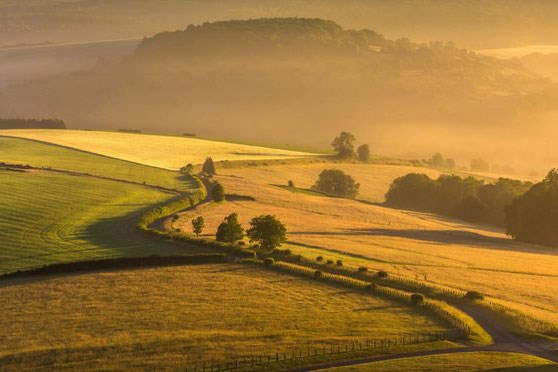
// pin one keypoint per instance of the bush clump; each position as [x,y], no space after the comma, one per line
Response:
[339,263]
[317,274]
[473,296]
[382,274]
[269,261]
[329,262]
[417,299]
[362,269]
[319,258]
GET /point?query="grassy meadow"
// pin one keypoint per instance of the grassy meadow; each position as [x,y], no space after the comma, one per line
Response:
[415,245]
[161,317]
[37,154]
[466,362]
[50,218]
[155,150]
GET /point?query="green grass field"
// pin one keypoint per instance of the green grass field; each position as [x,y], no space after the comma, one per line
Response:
[166,317]
[49,218]
[21,151]
[466,362]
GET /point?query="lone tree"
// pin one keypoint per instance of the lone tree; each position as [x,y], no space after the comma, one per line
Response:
[230,230]
[533,217]
[218,192]
[197,225]
[335,182]
[344,145]
[208,166]
[268,231]
[363,153]
[437,160]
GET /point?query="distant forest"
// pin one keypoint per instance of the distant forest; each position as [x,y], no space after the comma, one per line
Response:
[32,124]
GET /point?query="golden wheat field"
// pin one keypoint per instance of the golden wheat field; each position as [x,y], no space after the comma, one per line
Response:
[416,245]
[161,316]
[155,150]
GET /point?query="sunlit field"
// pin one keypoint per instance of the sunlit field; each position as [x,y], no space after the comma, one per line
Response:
[167,317]
[416,245]
[51,218]
[159,151]
[467,362]
[37,154]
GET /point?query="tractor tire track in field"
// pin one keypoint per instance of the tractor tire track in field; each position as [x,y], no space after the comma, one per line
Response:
[504,341]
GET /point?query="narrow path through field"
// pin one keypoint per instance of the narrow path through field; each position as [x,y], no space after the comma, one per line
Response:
[504,341]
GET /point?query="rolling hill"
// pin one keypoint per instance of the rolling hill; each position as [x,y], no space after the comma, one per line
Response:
[277,80]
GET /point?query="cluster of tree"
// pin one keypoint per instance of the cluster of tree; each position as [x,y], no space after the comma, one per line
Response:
[467,198]
[344,147]
[533,216]
[32,124]
[336,182]
[265,230]
[438,160]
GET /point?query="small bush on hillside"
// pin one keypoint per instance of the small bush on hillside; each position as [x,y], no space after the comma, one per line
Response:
[382,274]
[319,258]
[317,274]
[417,299]
[269,261]
[363,269]
[208,166]
[291,183]
[329,262]
[474,295]
[339,263]
[218,192]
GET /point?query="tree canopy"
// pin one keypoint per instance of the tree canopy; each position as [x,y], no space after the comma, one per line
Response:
[533,217]
[268,231]
[336,182]
[344,145]
[230,229]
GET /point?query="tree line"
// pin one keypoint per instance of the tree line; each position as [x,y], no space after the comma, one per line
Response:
[32,124]
[529,212]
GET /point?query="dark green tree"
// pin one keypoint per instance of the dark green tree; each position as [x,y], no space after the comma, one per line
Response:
[197,225]
[344,145]
[230,230]
[187,169]
[208,166]
[218,192]
[337,183]
[533,217]
[267,231]
[413,191]
[363,153]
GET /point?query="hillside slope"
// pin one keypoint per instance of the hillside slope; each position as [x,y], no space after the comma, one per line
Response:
[301,80]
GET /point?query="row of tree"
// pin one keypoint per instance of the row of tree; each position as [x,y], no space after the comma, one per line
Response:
[32,124]
[344,147]
[265,230]
[467,198]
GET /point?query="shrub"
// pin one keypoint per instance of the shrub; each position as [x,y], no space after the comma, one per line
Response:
[218,192]
[363,153]
[363,269]
[317,274]
[382,274]
[319,258]
[291,183]
[474,295]
[208,166]
[417,299]
[269,261]
[288,252]
[339,263]
[329,262]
